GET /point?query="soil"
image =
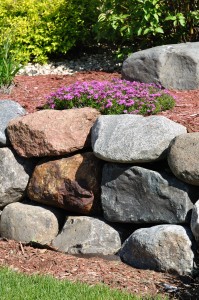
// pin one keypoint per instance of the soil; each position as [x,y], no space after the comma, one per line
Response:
[31,93]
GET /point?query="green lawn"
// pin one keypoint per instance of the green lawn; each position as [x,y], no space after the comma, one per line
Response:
[17,286]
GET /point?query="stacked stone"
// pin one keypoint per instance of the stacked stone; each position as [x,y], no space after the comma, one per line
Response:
[50,180]
[151,177]
[69,178]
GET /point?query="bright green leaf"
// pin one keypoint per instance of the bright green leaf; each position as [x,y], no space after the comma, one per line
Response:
[147,17]
[102,17]
[156,17]
[139,32]
[172,18]
[124,28]
[147,30]
[159,30]
[182,22]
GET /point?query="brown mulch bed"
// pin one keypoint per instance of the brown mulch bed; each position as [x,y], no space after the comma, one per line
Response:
[31,93]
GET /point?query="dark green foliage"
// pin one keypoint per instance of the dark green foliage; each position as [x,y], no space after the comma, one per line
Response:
[140,24]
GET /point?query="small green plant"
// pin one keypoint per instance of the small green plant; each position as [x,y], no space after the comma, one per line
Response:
[9,66]
[113,97]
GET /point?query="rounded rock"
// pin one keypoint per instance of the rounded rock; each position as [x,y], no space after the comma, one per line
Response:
[183,157]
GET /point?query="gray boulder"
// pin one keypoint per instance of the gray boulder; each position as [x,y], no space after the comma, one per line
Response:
[173,66]
[25,223]
[132,194]
[87,235]
[133,138]
[183,157]
[160,248]
[8,110]
[195,221]
[14,176]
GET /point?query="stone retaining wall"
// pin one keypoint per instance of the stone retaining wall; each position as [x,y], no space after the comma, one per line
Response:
[85,183]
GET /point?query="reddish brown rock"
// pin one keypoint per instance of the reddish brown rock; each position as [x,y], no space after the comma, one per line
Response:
[52,132]
[71,183]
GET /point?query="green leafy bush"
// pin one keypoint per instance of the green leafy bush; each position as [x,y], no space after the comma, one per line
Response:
[146,23]
[113,97]
[46,27]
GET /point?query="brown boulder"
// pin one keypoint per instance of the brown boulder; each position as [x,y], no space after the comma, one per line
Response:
[52,132]
[71,183]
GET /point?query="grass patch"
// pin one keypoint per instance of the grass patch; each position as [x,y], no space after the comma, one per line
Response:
[113,97]
[17,286]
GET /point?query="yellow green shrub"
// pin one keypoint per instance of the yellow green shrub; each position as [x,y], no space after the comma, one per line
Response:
[40,27]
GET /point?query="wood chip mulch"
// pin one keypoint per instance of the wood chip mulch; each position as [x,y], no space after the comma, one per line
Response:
[38,259]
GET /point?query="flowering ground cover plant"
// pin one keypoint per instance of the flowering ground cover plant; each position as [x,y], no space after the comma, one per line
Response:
[112,97]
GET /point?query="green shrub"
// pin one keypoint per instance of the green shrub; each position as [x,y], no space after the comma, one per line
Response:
[145,23]
[46,27]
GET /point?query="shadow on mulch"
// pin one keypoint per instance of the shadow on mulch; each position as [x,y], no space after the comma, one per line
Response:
[186,289]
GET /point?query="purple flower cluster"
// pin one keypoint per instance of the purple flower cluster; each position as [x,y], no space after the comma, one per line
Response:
[110,97]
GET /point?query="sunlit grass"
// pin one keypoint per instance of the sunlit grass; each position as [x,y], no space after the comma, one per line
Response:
[18,286]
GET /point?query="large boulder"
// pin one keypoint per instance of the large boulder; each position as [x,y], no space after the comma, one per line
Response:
[183,157]
[160,248]
[14,176]
[9,110]
[173,66]
[132,194]
[52,132]
[25,223]
[133,138]
[87,235]
[71,183]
